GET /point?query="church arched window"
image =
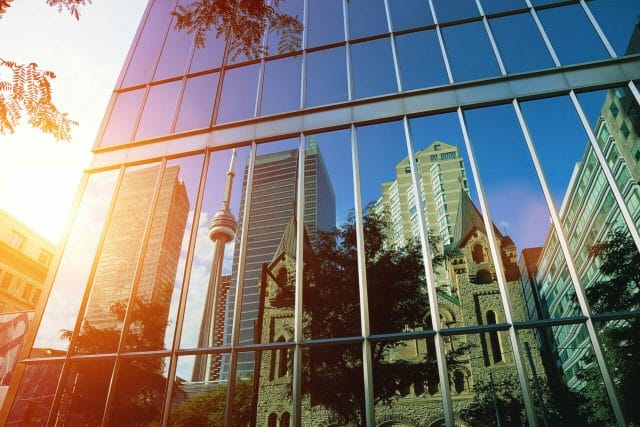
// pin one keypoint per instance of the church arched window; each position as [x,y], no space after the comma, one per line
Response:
[283,277]
[272,421]
[458,381]
[283,359]
[494,338]
[285,420]
[477,252]
[484,276]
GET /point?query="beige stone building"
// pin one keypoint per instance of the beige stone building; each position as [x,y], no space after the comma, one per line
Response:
[25,257]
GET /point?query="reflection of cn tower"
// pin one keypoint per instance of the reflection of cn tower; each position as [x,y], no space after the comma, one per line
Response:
[222,229]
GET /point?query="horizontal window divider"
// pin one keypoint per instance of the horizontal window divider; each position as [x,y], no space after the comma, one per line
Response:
[465,330]
[554,5]
[530,324]
[507,12]
[42,360]
[369,38]
[399,336]
[415,29]
[325,46]
[80,357]
[139,354]
[460,21]
[203,350]
[616,316]
[331,342]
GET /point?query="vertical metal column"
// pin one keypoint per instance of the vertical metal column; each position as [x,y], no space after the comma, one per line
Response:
[545,37]
[492,40]
[367,365]
[502,285]
[184,291]
[237,307]
[441,355]
[394,53]
[580,294]
[441,42]
[299,286]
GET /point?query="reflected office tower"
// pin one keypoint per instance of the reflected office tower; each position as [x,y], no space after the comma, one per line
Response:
[273,199]
[441,176]
[222,229]
[115,269]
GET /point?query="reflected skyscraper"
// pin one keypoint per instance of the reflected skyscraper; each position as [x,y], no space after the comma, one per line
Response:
[115,271]
[273,199]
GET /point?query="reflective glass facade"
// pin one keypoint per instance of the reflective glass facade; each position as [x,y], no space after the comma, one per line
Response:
[392,213]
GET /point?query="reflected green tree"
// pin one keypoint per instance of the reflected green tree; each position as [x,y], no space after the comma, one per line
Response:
[141,382]
[617,291]
[243,23]
[397,302]
[207,408]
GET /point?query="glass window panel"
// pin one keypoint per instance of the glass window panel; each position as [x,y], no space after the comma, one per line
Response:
[332,385]
[325,22]
[571,34]
[331,299]
[520,215]
[619,339]
[84,393]
[395,270]
[483,375]
[238,98]
[455,224]
[139,392]
[34,396]
[157,115]
[447,10]
[421,62]
[210,55]
[73,272]
[495,6]
[406,384]
[516,34]
[470,54]
[326,77]
[565,380]
[281,86]
[198,403]
[373,72]
[148,48]
[268,391]
[407,14]
[367,18]
[270,266]
[154,305]
[196,107]
[175,52]
[210,280]
[123,118]
[280,43]
[589,214]
[116,262]
[619,21]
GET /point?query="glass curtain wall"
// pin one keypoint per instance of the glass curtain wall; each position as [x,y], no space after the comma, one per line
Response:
[440,227]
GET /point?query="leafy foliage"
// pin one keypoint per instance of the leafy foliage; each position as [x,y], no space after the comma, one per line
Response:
[73,6]
[397,301]
[207,409]
[28,91]
[617,291]
[242,22]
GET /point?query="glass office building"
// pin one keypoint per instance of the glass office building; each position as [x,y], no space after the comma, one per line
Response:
[426,211]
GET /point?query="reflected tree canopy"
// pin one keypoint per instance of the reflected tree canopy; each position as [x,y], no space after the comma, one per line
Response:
[242,22]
